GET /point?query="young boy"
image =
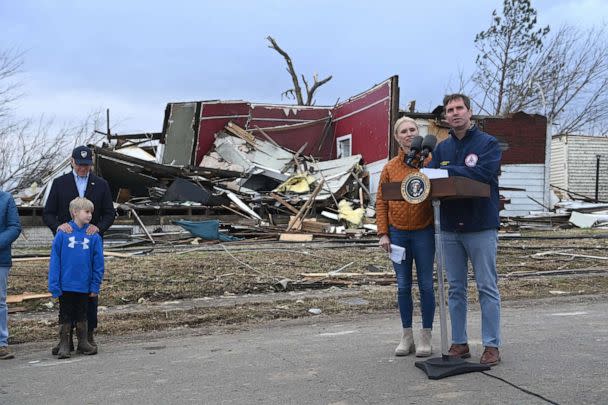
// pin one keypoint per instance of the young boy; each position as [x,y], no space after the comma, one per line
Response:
[75,274]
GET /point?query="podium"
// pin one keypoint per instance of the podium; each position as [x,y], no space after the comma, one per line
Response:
[446,188]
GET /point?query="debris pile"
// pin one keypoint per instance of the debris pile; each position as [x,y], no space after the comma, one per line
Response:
[565,214]
[252,185]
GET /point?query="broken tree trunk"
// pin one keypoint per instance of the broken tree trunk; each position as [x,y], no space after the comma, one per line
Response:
[296,92]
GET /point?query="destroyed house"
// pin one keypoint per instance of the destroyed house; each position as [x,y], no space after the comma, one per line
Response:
[248,163]
[360,125]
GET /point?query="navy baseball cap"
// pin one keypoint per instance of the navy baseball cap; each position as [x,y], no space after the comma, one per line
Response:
[82,155]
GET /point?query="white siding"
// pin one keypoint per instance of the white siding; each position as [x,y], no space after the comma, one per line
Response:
[559,162]
[582,157]
[529,177]
[375,170]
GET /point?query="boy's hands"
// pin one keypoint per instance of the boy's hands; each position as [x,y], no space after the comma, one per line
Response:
[93,294]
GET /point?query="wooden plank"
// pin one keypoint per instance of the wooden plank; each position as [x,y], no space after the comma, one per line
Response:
[312,225]
[30,259]
[241,133]
[117,254]
[296,237]
[285,203]
[268,138]
[141,223]
[37,259]
[346,275]
[295,158]
[14,299]
[296,223]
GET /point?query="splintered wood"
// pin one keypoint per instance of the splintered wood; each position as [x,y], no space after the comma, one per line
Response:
[347,279]
[241,133]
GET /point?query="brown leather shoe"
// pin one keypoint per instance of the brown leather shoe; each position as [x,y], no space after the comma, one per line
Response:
[5,354]
[490,356]
[459,351]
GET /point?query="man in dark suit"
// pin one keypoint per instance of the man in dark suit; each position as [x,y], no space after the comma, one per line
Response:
[80,182]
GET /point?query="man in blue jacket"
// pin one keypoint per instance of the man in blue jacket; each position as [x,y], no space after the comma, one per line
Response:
[80,182]
[10,228]
[470,227]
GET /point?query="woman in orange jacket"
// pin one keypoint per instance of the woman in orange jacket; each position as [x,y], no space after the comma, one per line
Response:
[410,226]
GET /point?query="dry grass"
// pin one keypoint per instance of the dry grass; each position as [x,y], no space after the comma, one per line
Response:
[170,276]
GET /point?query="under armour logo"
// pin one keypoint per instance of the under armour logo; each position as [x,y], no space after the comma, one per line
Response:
[74,242]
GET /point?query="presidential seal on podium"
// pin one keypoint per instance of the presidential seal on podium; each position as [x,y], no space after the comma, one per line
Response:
[415,188]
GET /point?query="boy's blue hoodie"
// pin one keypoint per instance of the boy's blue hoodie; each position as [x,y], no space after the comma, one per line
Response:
[76,262]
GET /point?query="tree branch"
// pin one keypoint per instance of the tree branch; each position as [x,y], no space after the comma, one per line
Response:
[297,90]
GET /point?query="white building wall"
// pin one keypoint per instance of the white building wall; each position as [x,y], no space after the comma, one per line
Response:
[375,170]
[559,162]
[582,152]
[530,178]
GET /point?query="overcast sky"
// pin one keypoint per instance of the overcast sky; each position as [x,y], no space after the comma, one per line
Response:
[135,56]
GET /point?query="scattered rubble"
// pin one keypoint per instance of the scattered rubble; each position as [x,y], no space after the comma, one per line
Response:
[565,214]
[250,185]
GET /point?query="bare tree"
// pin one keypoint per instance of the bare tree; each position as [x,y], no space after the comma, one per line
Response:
[563,75]
[11,62]
[296,92]
[30,149]
[571,74]
[505,49]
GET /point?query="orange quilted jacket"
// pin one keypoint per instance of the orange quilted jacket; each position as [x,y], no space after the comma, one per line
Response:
[400,214]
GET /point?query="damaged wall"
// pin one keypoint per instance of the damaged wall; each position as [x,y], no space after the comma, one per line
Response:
[522,138]
[305,123]
[367,117]
[575,162]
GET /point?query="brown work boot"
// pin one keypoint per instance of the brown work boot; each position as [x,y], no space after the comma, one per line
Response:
[84,347]
[64,341]
[55,349]
[5,354]
[91,338]
[459,351]
[490,356]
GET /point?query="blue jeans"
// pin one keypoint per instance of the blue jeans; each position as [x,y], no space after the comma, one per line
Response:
[480,248]
[3,308]
[419,246]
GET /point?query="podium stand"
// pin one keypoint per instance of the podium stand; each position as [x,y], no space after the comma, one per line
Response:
[447,188]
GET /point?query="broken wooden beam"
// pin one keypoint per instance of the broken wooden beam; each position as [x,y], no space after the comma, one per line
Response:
[285,203]
[296,222]
[241,133]
[15,299]
[295,237]
[268,138]
[348,275]
[132,210]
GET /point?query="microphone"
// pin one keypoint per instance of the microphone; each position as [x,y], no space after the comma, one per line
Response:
[428,144]
[415,147]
